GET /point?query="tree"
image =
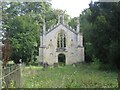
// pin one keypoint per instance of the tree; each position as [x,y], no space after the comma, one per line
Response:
[105,34]
[24,37]
[85,28]
[105,30]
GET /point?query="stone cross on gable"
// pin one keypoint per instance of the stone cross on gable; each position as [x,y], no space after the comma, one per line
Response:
[61,18]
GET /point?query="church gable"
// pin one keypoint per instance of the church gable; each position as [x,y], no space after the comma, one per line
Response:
[53,34]
[62,26]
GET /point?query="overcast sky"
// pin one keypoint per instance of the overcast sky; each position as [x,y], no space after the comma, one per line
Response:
[73,7]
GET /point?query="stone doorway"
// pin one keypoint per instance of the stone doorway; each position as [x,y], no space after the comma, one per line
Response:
[61,59]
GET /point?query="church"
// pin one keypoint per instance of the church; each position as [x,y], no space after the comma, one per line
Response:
[61,43]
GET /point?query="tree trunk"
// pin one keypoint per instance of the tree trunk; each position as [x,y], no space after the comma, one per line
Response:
[119,80]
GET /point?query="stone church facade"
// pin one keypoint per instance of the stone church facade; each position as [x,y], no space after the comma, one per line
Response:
[61,44]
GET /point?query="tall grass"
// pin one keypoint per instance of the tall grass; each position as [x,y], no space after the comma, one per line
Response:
[80,76]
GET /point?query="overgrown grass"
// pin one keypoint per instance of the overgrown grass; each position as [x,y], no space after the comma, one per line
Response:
[80,76]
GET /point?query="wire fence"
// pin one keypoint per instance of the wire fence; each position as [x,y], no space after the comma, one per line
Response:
[10,77]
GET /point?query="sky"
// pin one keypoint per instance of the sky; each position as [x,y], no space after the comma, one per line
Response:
[73,7]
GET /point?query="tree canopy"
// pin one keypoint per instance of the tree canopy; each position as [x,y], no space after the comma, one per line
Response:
[100,25]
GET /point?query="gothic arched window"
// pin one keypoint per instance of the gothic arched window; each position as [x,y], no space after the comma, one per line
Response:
[61,41]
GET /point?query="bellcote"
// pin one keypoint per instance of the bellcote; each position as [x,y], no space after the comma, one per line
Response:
[61,18]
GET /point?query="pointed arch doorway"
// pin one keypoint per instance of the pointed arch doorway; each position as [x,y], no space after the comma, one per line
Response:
[61,59]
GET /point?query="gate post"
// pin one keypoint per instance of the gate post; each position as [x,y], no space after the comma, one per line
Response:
[0,74]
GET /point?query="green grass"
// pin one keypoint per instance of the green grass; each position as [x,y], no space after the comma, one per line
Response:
[82,76]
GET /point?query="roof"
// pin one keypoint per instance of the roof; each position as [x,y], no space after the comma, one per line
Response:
[68,27]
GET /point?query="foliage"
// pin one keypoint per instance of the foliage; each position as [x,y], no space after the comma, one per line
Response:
[106,32]
[86,30]
[25,38]
[100,26]
[73,23]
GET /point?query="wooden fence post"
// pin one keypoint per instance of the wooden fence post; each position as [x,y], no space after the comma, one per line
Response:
[18,78]
[0,74]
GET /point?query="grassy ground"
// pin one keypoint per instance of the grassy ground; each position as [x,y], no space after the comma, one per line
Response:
[68,77]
